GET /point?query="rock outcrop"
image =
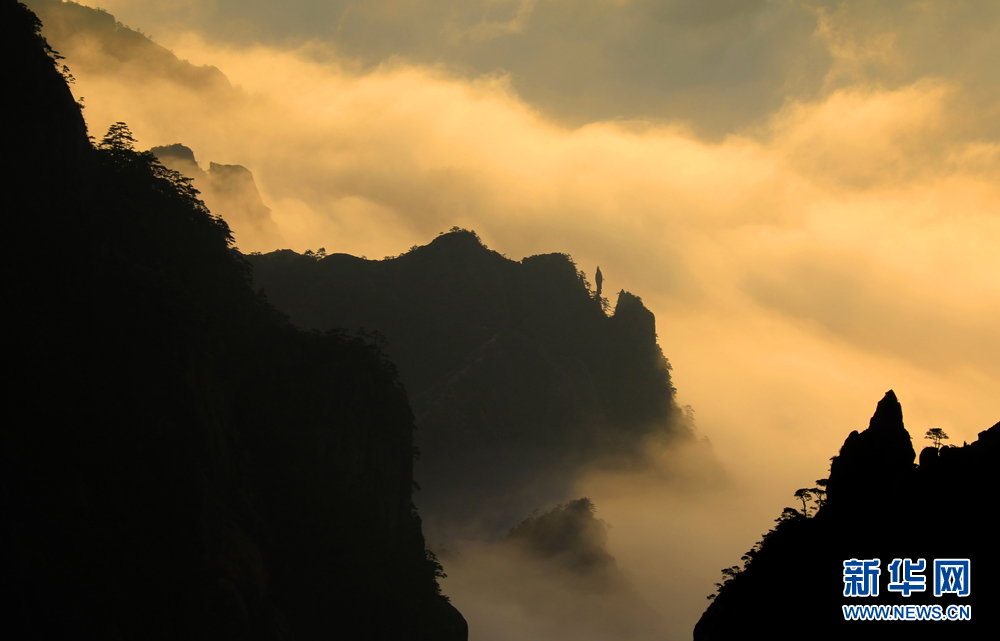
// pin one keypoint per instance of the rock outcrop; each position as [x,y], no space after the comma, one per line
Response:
[880,506]
[872,463]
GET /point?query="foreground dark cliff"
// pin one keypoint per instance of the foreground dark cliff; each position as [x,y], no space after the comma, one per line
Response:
[879,505]
[178,461]
[518,376]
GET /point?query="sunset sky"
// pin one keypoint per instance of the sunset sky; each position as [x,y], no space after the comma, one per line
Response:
[804,192]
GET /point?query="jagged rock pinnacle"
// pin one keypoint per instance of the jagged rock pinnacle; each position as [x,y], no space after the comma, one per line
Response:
[872,460]
[888,414]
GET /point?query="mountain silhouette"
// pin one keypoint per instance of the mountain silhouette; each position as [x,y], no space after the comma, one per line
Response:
[515,398]
[518,376]
[104,43]
[879,505]
[177,460]
[229,191]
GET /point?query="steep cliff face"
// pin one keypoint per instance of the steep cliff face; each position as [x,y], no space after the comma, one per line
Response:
[177,460]
[519,378]
[880,506]
[43,97]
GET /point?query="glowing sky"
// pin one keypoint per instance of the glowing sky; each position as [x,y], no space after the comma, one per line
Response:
[804,192]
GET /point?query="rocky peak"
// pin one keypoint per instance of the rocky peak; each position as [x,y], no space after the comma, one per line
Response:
[632,317]
[175,151]
[874,460]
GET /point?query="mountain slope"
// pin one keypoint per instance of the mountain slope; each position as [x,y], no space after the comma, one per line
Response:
[178,461]
[879,506]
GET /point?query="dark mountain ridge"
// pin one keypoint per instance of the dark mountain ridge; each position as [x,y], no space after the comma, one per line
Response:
[178,461]
[879,505]
[518,376]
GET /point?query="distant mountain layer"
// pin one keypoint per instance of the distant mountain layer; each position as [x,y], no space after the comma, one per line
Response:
[556,569]
[177,461]
[100,48]
[229,191]
[518,376]
[880,506]
[101,43]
